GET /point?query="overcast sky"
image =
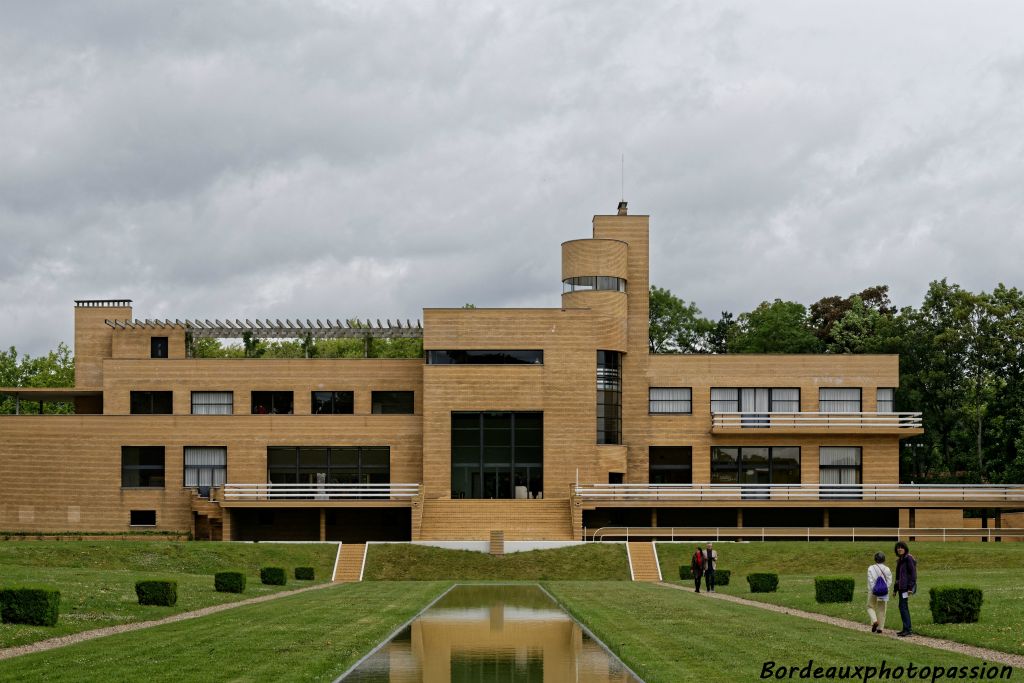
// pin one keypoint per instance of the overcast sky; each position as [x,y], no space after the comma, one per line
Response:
[344,159]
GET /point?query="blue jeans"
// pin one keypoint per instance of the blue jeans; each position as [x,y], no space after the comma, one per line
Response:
[905,612]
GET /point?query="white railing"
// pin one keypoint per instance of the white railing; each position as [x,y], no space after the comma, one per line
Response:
[802,533]
[826,420]
[959,493]
[245,492]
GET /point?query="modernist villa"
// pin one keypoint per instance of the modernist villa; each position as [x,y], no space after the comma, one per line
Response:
[543,424]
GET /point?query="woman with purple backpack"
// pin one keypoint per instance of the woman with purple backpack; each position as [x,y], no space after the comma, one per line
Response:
[879,581]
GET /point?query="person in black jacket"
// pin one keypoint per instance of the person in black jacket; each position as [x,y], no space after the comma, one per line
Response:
[697,568]
[905,584]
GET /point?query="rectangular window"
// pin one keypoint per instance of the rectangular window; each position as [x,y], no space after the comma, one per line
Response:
[755,465]
[205,467]
[886,400]
[157,347]
[142,518]
[669,400]
[212,402]
[142,467]
[670,464]
[329,464]
[392,402]
[151,402]
[755,400]
[272,403]
[497,455]
[511,357]
[839,400]
[332,403]
[839,471]
[609,397]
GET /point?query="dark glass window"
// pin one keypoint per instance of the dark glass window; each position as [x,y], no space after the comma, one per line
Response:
[590,283]
[151,402]
[157,347]
[670,464]
[755,465]
[329,464]
[511,357]
[392,402]
[609,397]
[332,403]
[142,517]
[497,455]
[142,466]
[669,400]
[272,403]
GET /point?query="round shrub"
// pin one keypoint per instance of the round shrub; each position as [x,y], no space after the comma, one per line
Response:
[161,592]
[833,588]
[304,573]
[763,582]
[722,577]
[25,605]
[273,576]
[955,604]
[229,582]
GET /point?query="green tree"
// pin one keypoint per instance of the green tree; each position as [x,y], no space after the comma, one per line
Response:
[776,327]
[55,369]
[825,313]
[675,326]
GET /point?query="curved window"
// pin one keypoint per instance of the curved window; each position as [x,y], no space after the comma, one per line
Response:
[593,283]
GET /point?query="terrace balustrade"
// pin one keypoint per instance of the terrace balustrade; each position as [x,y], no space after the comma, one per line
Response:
[889,493]
[815,420]
[318,492]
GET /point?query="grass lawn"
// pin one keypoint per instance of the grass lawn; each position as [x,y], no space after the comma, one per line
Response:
[308,637]
[97,578]
[996,568]
[671,635]
[404,562]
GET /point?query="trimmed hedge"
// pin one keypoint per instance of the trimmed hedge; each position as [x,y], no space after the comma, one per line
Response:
[229,582]
[24,605]
[955,604]
[722,577]
[763,582]
[161,592]
[273,576]
[304,573]
[833,588]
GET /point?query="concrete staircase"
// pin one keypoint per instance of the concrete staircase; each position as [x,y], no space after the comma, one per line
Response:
[351,559]
[643,561]
[474,520]
[497,546]
[207,520]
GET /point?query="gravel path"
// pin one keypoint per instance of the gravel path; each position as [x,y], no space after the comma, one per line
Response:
[72,638]
[937,643]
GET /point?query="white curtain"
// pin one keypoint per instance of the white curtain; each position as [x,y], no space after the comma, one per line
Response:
[725,400]
[785,400]
[886,400]
[839,400]
[839,464]
[205,465]
[212,402]
[671,400]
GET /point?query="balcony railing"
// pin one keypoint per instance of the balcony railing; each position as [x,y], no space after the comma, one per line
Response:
[673,534]
[818,420]
[256,492]
[962,493]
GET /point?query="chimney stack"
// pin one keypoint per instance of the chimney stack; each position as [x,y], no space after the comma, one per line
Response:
[622,209]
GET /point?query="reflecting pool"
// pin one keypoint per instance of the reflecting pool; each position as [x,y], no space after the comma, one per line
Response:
[492,633]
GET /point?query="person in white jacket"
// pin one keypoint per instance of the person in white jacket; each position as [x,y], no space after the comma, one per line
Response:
[878,594]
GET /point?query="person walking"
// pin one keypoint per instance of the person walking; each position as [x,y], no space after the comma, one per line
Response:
[905,585]
[710,565]
[879,581]
[697,568]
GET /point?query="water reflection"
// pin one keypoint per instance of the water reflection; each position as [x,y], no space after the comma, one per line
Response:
[492,633]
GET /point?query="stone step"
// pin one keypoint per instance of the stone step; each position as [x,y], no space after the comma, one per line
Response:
[643,561]
[350,563]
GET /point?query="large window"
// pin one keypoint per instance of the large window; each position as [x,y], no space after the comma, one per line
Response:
[392,403]
[212,402]
[332,403]
[840,465]
[886,400]
[142,467]
[511,357]
[591,283]
[670,400]
[609,397]
[205,466]
[755,465]
[757,403]
[158,347]
[497,455]
[670,464]
[329,464]
[151,402]
[272,403]
[839,400]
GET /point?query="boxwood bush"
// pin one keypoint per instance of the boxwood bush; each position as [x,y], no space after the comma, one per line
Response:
[955,604]
[722,577]
[833,588]
[163,592]
[229,582]
[763,582]
[38,606]
[273,576]
[304,573]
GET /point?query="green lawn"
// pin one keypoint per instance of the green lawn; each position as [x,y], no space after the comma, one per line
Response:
[996,568]
[589,562]
[671,635]
[97,579]
[308,637]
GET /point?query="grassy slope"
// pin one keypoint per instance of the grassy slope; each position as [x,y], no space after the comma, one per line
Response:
[307,637]
[996,568]
[97,579]
[591,562]
[671,635]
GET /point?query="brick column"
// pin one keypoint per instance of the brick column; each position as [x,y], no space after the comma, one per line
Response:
[323,524]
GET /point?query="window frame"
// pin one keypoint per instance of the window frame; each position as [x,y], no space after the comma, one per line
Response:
[150,395]
[230,405]
[771,464]
[740,408]
[162,468]
[185,467]
[333,404]
[651,468]
[852,487]
[485,357]
[274,396]
[159,347]
[652,401]
[134,524]
[823,401]
[891,401]
[374,403]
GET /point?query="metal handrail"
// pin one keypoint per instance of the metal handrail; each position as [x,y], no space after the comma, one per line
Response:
[319,491]
[797,492]
[808,533]
[768,419]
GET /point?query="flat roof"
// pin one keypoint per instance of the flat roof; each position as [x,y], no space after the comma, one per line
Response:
[48,393]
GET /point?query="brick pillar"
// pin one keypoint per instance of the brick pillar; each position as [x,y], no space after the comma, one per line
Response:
[227,532]
[323,524]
